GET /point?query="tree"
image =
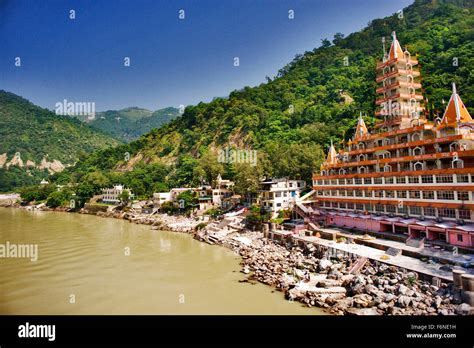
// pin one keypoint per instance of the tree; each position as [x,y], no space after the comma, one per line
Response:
[124,197]
[338,38]
[325,43]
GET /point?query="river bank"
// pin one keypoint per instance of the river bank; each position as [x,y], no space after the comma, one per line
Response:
[310,276]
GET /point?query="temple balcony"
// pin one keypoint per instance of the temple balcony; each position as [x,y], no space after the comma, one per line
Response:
[405,96]
[397,72]
[398,84]
[382,65]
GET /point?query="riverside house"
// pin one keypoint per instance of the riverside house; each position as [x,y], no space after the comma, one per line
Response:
[111,195]
[279,194]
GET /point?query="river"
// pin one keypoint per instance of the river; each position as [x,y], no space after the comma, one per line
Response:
[92,265]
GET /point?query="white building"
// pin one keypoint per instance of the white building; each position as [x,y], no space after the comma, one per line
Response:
[278,194]
[111,195]
[222,193]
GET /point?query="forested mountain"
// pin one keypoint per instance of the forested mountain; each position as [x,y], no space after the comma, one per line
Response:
[36,141]
[291,119]
[128,124]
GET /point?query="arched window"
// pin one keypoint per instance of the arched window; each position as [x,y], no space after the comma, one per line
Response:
[410,78]
[457,163]
[387,168]
[342,171]
[417,151]
[418,166]
[454,146]
[361,157]
[407,56]
[361,146]
[415,137]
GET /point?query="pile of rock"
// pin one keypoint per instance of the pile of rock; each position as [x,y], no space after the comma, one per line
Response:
[308,277]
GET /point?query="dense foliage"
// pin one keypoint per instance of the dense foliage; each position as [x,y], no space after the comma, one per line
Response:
[291,119]
[128,124]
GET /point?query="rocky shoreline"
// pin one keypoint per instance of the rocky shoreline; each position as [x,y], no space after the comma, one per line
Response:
[311,276]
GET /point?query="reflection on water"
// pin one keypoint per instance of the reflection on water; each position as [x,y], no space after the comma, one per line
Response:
[84,258]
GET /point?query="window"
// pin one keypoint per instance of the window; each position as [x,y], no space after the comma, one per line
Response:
[379,208]
[333,192]
[349,181]
[333,182]
[401,194]
[459,236]
[430,211]
[390,208]
[334,204]
[320,193]
[447,212]
[367,193]
[464,214]
[367,181]
[389,194]
[426,179]
[350,205]
[378,193]
[342,193]
[278,204]
[341,181]
[358,193]
[326,182]
[463,196]
[401,180]
[444,178]
[378,181]
[428,195]
[463,178]
[413,179]
[414,194]
[359,206]
[320,182]
[369,207]
[415,210]
[389,180]
[350,193]
[343,205]
[358,181]
[277,194]
[449,195]
[402,210]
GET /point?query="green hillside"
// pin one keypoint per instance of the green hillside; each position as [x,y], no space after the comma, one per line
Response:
[130,123]
[35,134]
[291,119]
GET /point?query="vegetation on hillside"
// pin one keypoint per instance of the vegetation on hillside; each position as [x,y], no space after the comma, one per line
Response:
[36,133]
[130,123]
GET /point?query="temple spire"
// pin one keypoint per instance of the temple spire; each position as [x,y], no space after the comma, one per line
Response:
[455,112]
[332,155]
[361,129]
[395,49]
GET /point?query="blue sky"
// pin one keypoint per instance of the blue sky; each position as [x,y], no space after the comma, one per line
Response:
[173,62]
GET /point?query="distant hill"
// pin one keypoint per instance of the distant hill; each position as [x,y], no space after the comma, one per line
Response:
[36,141]
[128,124]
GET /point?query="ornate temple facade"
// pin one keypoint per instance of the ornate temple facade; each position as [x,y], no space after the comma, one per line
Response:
[409,175]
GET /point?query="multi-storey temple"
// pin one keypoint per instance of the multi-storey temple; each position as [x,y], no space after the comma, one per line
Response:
[409,175]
